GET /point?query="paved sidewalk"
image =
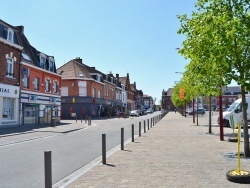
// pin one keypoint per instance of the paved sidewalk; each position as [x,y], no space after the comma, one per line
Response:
[174,153]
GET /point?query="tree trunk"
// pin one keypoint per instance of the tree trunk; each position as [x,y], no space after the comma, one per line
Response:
[245,124]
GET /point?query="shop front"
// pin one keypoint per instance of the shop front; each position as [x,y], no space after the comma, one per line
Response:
[39,109]
[9,108]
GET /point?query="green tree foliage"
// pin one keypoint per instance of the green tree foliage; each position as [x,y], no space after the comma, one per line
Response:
[217,44]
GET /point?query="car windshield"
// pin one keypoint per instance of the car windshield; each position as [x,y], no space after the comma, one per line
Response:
[232,107]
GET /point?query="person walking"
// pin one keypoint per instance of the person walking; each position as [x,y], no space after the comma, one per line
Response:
[175,110]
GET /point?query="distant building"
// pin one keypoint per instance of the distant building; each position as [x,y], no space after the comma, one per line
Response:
[148,101]
[166,101]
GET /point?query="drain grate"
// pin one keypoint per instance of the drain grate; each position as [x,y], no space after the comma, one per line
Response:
[232,156]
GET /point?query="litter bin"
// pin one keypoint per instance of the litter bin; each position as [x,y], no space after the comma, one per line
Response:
[53,122]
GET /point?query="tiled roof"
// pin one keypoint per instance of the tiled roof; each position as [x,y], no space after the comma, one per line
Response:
[74,69]
[170,92]
[123,80]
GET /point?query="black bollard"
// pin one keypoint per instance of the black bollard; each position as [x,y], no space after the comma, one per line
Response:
[144,126]
[90,120]
[86,119]
[122,138]
[151,123]
[148,124]
[133,139]
[103,148]
[47,169]
[81,119]
[76,119]
[139,128]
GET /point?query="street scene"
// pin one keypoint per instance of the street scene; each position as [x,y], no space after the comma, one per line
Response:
[124,93]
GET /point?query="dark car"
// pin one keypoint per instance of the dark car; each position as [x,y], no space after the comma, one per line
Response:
[200,111]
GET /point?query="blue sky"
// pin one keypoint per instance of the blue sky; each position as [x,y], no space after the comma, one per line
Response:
[138,37]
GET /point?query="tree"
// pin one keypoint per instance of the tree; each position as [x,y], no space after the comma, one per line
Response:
[217,43]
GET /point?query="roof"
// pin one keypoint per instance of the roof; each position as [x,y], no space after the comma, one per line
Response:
[74,69]
[170,92]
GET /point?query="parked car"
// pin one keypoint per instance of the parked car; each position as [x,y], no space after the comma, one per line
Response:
[200,111]
[135,113]
[144,112]
[150,110]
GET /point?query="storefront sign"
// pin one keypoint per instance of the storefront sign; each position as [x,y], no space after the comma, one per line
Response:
[9,91]
[32,97]
[52,100]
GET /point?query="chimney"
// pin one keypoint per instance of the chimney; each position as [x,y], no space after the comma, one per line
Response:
[78,59]
[135,85]
[20,28]
[117,77]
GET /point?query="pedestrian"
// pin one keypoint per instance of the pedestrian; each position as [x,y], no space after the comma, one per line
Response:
[175,110]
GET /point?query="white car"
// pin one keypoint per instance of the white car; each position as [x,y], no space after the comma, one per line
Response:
[135,113]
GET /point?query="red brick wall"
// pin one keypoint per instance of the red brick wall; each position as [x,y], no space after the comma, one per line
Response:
[6,49]
[42,76]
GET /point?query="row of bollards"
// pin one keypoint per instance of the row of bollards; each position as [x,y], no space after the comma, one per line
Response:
[153,121]
[47,154]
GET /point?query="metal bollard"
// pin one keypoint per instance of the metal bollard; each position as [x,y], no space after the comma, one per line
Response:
[148,124]
[133,139]
[144,126]
[139,128]
[81,119]
[103,148]
[47,169]
[122,138]
[151,122]
[90,120]
[76,118]
[86,119]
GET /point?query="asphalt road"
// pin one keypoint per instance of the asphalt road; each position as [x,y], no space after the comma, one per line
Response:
[22,164]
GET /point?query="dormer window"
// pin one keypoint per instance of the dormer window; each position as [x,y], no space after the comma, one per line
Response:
[42,61]
[111,80]
[10,35]
[80,74]
[51,65]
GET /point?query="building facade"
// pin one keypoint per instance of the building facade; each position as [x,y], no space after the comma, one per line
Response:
[10,54]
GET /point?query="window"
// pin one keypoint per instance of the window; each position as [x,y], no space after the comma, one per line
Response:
[99,94]
[42,62]
[47,85]
[51,65]
[8,108]
[36,83]
[64,91]
[93,92]
[10,35]
[9,67]
[55,87]
[83,91]
[26,82]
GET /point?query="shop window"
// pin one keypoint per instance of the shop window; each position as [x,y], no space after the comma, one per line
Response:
[8,108]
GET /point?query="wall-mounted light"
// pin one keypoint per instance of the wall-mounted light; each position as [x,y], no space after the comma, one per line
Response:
[42,84]
[33,82]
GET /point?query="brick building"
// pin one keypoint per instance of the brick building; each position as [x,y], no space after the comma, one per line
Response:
[10,55]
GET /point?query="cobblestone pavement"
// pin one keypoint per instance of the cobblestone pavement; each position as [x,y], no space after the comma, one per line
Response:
[173,153]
